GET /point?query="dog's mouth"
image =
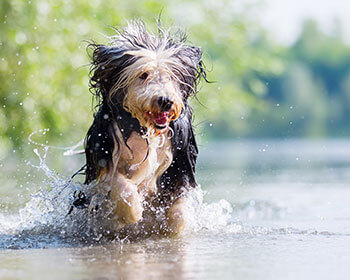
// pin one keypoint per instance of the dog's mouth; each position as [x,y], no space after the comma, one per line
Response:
[160,120]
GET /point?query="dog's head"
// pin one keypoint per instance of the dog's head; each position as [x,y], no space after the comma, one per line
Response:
[150,76]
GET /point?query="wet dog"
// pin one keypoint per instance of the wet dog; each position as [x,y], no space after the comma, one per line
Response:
[141,147]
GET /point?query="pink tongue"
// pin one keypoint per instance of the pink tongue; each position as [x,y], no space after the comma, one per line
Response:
[161,118]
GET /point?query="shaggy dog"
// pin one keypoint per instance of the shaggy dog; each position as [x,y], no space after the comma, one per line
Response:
[141,146]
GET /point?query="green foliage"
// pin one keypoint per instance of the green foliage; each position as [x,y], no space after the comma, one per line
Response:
[44,65]
[259,89]
[313,92]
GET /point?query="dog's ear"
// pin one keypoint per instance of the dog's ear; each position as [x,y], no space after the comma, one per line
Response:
[190,58]
[107,63]
[195,54]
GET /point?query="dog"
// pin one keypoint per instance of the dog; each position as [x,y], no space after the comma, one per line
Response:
[141,146]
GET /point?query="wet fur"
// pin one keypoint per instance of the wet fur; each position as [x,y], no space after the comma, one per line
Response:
[108,82]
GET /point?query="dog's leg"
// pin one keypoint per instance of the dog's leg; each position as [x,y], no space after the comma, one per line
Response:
[175,217]
[128,201]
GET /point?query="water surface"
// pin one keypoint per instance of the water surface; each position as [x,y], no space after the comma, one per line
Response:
[272,210]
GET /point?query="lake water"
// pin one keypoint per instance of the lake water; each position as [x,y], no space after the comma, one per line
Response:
[271,210]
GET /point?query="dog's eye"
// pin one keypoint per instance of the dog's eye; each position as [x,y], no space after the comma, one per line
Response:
[144,76]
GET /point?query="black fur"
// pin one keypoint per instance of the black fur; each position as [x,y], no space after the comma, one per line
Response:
[99,143]
[181,172]
[107,65]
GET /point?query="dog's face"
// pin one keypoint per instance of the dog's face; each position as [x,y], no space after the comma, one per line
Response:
[153,94]
[151,76]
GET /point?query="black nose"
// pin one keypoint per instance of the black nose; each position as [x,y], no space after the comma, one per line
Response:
[165,103]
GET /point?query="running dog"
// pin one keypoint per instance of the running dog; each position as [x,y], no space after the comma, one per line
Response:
[141,146]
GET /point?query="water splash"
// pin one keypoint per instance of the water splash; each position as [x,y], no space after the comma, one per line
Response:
[44,217]
[45,222]
[69,151]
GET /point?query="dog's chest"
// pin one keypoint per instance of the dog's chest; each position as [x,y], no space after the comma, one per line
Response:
[143,161]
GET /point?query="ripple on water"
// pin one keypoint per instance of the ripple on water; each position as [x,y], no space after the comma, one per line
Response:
[44,221]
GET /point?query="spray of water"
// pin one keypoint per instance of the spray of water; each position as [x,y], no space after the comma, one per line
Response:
[48,219]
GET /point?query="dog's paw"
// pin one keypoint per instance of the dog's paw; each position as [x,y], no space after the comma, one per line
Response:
[128,207]
[175,219]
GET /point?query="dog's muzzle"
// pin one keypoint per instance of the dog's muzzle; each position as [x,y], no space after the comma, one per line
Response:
[164,103]
[164,112]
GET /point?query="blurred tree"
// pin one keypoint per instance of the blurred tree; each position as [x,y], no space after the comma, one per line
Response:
[44,66]
[310,97]
[260,89]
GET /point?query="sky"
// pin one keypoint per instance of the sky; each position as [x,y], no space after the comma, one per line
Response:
[284,18]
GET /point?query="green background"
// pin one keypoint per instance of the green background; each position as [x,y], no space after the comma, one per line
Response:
[260,89]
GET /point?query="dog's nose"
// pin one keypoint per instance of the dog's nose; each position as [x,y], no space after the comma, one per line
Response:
[165,103]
